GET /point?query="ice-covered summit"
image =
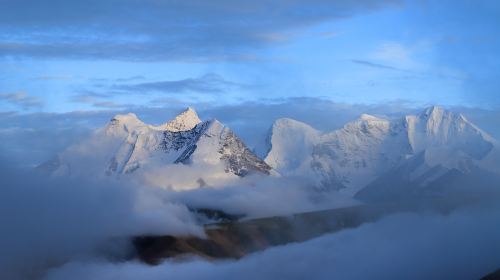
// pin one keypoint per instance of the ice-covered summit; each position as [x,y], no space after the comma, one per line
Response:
[126,122]
[126,145]
[369,151]
[288,147]
[351,157]
[186,120]
[436,127]
[367,117]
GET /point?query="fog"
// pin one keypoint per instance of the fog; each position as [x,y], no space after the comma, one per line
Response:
[462,245]
[258,196]
[62,228]
[80,227]
[253,196]
[47,222]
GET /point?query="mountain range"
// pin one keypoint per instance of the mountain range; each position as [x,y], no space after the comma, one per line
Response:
[369,158]
[127,146]
[349,159]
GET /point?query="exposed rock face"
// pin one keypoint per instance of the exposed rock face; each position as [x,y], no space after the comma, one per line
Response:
[213,141]
[240,160]
[132,145]
[364,152]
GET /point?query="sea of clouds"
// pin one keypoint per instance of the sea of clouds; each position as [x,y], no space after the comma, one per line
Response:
[462,245]
[80,228]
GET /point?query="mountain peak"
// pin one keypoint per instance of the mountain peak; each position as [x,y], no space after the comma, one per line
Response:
[436,116]
[367,117]
[126,120]
[190,110]
[287,122]
[434,108]
[186,120]
[123,123]
[365,123]
[125,117]
[433,112]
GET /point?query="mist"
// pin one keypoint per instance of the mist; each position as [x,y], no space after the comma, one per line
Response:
[462,245]
[47,222]
[80,223]
[50,221]
[61,228]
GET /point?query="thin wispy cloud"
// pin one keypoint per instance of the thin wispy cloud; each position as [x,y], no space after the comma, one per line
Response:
[208,83]
[53,77]
[394,56]
[400,55]
[329,34]
[83,94]
[413,74]
[114,93]
[21,99]
[161,30]
[130,79]
[377,65]
[98,103]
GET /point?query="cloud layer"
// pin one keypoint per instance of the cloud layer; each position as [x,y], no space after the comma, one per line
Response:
[78,228]
[46,222]
[208,83]
[21,99]
[463,245]
[159,30]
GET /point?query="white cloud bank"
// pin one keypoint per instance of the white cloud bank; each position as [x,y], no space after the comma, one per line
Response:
[462,245]
[76,226]
[48,222]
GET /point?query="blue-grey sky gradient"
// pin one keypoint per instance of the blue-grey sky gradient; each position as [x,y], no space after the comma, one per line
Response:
[62,56]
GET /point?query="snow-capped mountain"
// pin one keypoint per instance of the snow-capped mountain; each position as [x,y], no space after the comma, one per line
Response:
[417,178]
[348,159]
[366,158]
[288,147]
[126,145]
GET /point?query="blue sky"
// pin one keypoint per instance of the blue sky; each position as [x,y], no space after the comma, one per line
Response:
[61,56]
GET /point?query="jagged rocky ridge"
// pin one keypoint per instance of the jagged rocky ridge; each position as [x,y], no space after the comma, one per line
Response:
[131,144]
[370,157]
